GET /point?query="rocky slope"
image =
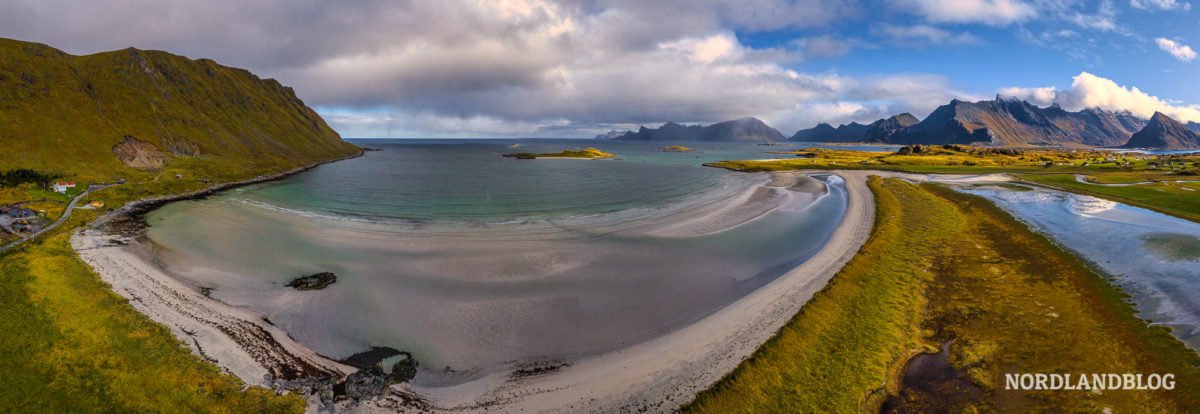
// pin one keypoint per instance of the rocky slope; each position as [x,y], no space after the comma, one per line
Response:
[877,131]
[747,129]
[1163,132]
[1010,122]
[95,116]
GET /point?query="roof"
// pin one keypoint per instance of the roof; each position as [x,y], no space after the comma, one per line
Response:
[66,183]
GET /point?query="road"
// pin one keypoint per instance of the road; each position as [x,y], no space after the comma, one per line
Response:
[66,215]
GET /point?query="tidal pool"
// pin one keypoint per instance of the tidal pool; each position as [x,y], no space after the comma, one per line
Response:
[1152,256]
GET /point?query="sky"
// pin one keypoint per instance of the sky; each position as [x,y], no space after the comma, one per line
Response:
[577,68]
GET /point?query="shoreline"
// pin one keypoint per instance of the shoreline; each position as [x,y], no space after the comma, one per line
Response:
[657,375]
[133,211]
[238,341]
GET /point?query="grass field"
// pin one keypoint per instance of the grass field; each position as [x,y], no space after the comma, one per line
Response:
[944,267]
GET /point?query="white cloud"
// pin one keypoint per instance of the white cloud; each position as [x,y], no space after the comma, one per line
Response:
[1091,91]
[1179,50]
[921,35]
[1103,19]
[1037,96]
[1160,5]
[991,12]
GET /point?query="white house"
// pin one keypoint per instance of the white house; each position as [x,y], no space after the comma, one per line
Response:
[62,186]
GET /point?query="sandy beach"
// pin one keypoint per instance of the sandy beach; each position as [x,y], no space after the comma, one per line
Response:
[657,375]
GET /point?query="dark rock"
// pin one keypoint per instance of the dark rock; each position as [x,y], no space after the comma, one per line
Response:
[370,357]
[404,370]
[314,281]
[365,384]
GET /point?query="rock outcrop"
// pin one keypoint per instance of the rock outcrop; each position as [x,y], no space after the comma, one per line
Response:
[139,154]
[315,281]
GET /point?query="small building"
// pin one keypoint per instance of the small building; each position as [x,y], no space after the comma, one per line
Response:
[178,176]
[62,186]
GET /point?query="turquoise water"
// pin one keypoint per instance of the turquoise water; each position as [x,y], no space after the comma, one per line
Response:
[1152,256]
[477,263]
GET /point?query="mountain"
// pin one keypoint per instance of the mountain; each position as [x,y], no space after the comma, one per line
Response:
[747,129]
[97,115]
[855,132]
[1008,122]
[1164,133]
[611,134]
[820,133]
[882,129]
[1193,126]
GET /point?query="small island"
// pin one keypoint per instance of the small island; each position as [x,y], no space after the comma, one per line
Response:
[674,148]
[586,153]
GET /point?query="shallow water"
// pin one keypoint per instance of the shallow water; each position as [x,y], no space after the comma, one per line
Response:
[476,263]
[1152,256]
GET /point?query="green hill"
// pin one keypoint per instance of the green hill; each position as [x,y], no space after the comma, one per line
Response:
[73,115]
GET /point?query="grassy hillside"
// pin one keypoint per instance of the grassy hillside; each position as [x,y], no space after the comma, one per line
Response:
[70,344]
[64,114]
[947,268]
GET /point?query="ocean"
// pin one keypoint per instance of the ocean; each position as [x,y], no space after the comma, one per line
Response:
[478,263]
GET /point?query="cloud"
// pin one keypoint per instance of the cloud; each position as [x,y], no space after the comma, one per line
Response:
[826,46]
[991,12]
[1038,96]
[1179,50]
[1091,91]
[1160,5]
[1103,19]
[922,35]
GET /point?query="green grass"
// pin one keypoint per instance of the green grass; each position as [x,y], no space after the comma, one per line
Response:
[944,266]
[69,344]
[849,338]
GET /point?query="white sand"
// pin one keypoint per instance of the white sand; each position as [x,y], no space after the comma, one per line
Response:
[241,342]
[662,374]
[658,375]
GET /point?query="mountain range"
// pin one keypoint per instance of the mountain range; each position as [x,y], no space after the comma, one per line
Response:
[748,129]
[998,122]
[1014,122]
[97,115]
[1166,133]
[876,131]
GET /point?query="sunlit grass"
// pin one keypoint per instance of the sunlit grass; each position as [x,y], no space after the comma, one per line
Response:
[944,266]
